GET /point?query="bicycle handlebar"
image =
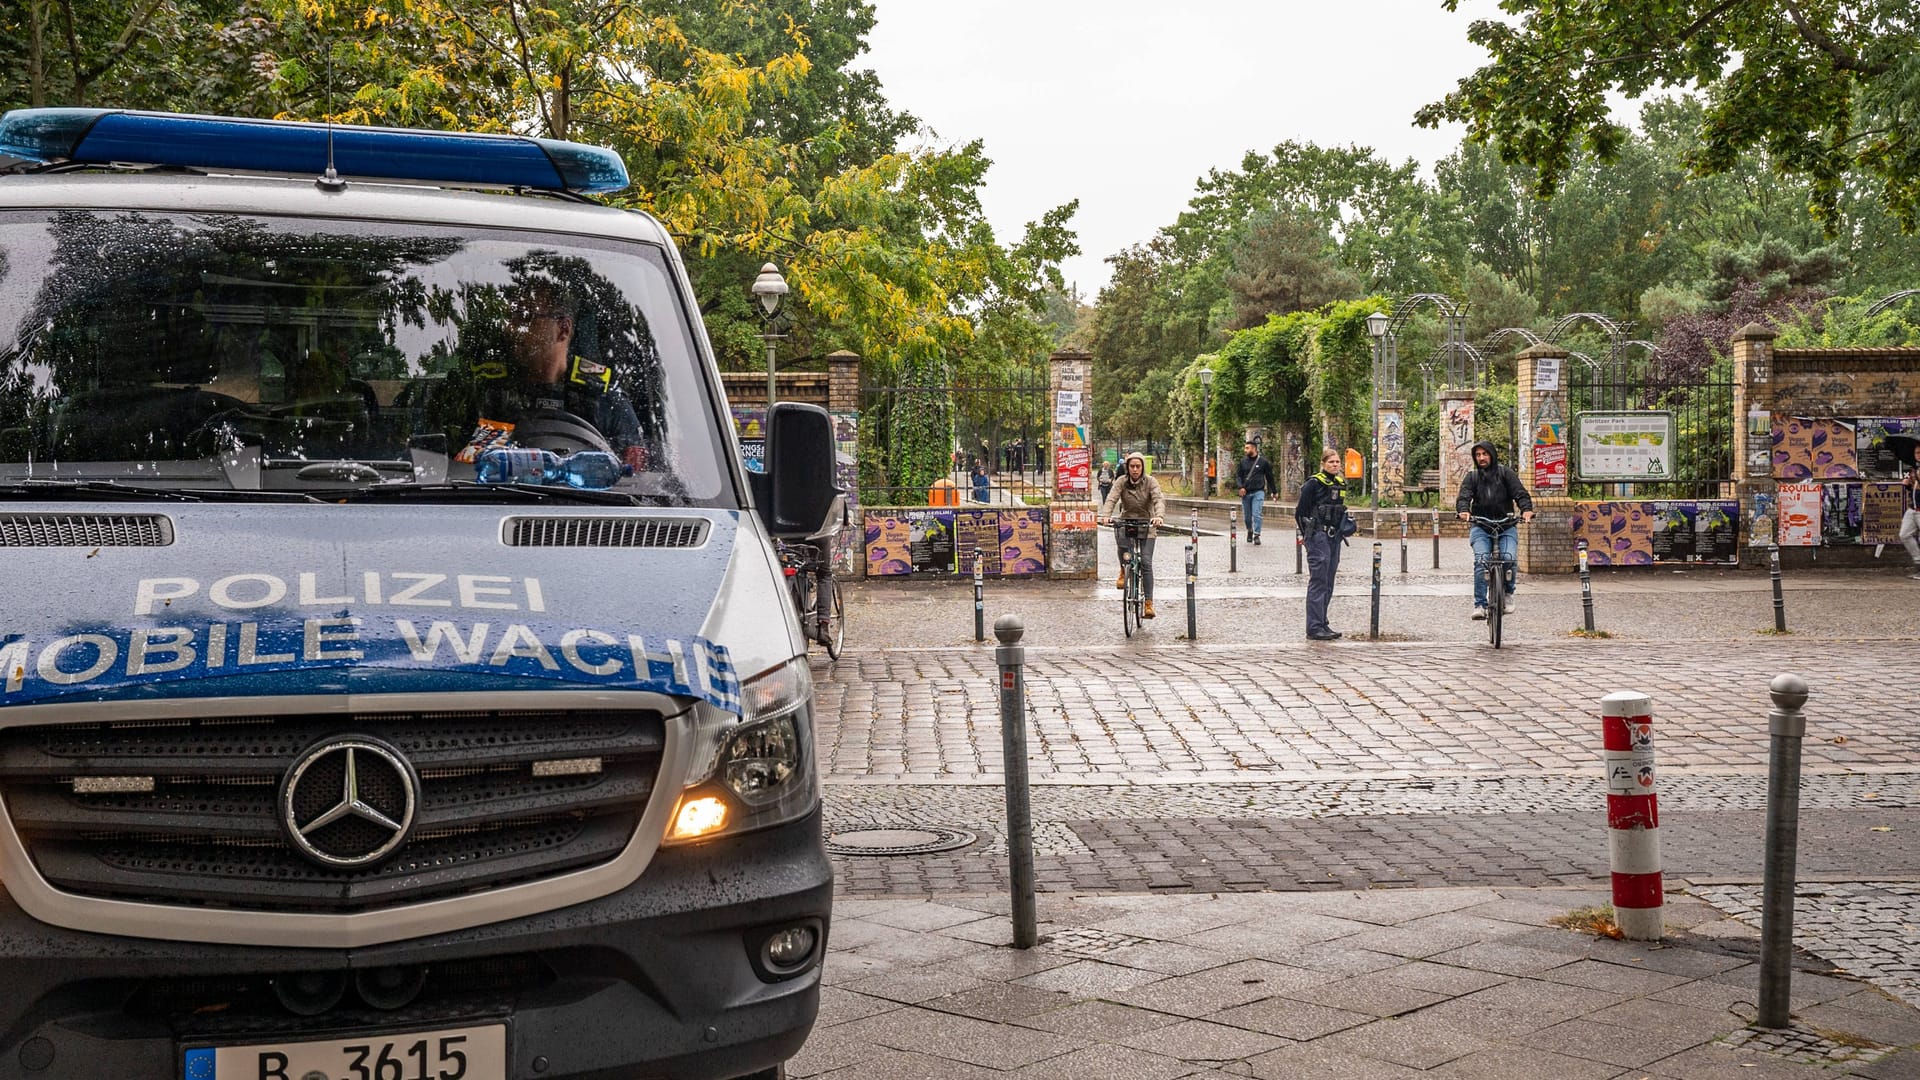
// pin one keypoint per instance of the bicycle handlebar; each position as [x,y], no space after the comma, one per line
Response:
[1502,524]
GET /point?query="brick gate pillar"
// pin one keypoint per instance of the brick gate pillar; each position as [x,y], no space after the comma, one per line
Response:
[1073,550]
[1292,459]
[1753,438]
[1543,460]
[1390,475]
[843,403]
[1456,440]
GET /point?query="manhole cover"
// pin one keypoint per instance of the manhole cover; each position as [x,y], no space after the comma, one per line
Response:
[916,840]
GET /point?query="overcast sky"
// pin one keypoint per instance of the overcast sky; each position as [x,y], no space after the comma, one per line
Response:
[1124,104]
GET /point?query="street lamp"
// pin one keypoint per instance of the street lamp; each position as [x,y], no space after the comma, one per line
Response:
[768,290]
[1377,328]
[1206,441]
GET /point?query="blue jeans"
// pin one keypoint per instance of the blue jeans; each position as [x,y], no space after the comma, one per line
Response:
[1482,540]
[1250,507]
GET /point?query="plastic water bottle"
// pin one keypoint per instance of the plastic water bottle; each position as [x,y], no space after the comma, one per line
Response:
[592,469]
[517,465]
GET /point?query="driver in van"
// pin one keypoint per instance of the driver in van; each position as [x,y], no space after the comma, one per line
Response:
[546,376]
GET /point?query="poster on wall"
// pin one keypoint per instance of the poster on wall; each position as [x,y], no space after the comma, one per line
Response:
[930,540]
[1023,542]
[1766,510]
[747,422]
[977,530]
[1066,407]
[1799,515]
[1073,471]
[1625,445]
[1813,449]
[1882,505]
[1885,445]
[1549,456]
[889,544]
[1839,514]
[1645,533]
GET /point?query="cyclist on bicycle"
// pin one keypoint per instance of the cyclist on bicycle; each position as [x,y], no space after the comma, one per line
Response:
[1136,495]
[1492,490]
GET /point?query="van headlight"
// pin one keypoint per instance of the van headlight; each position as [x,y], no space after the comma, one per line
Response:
[760,772]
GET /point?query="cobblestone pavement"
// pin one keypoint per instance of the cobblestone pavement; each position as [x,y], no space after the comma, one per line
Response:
[1233,714]
[1871,929]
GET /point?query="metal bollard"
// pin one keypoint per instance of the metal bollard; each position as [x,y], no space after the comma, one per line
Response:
[979,596]
[1233,541]
[1586,587]
[1012,657]
[1193,528]
[1436,538]
[1193,573]
[1779,599]
[1373,625]
[1787,726]
[1403,541]
[1633,815]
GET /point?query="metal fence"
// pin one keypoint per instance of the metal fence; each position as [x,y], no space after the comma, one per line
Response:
[1700,461]
[994,442]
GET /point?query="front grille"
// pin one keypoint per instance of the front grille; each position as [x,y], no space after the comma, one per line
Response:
[85,530]
[208,832]
[606,532]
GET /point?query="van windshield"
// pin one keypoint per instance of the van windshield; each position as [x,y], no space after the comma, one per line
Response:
[284,354]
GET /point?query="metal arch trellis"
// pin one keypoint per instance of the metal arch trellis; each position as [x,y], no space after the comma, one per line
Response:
[1453,348]
[1618,342]
[1888,301]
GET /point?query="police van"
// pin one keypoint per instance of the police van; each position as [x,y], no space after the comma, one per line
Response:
[397,678]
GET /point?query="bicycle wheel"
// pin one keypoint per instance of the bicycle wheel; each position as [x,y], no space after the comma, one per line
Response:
[1127,617]
[1496,599]
[835,630]
[803,600]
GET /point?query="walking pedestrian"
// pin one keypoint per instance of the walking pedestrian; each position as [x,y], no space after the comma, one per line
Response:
[1322,520]
[1105,479]
[1254,476]
[1910,522]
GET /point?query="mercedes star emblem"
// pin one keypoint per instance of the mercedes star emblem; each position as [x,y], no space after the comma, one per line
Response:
[349,801]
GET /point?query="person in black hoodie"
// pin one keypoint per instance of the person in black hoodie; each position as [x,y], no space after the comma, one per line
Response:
[1492,490]
[1318,517]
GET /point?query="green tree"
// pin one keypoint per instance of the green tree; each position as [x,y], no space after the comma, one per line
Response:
[1827,89]
[1282,262]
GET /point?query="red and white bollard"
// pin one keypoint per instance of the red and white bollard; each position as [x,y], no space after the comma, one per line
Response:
[1633,816]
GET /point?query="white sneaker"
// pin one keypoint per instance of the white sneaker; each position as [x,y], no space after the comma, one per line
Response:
[1479,612]
[1507,608]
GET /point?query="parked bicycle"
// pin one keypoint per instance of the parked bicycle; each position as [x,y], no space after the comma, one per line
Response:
[817,598]
[1498,570]
[1132,534]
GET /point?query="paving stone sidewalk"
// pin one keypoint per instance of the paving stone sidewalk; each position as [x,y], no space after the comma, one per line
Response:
[1466,983]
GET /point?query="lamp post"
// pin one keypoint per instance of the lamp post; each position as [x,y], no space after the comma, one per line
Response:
[769,288]
[1206,440]
[1378,325]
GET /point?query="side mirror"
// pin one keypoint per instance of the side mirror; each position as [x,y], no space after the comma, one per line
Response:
[799,492]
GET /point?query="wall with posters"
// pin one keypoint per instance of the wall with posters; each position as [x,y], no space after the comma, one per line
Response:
[1659,532]
[1824,430]
[936,542]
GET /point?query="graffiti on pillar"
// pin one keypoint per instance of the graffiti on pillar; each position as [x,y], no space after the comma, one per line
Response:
[846,474]
[1393,453]
[1456,441]
[1294,469]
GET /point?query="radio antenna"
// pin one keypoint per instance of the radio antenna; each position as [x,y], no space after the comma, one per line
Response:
[330,181]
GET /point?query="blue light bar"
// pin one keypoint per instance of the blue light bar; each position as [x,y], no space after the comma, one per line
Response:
[293,148]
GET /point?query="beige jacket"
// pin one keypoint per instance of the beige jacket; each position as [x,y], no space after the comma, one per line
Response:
[1135,500]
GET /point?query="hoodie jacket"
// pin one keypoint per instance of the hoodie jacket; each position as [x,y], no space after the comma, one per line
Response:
[1139,500]
[1492,491]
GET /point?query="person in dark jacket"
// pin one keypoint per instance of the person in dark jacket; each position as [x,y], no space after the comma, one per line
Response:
[1492,490]
[1321,510]
[1254,477]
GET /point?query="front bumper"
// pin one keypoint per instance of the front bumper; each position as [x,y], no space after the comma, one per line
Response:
[656,982]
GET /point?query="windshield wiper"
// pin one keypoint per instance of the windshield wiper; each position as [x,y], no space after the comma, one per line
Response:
[468,491]
[107,489]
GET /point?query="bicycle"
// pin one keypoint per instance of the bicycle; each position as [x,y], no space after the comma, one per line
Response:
[1496,570]
[1131,531]
[816,594]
